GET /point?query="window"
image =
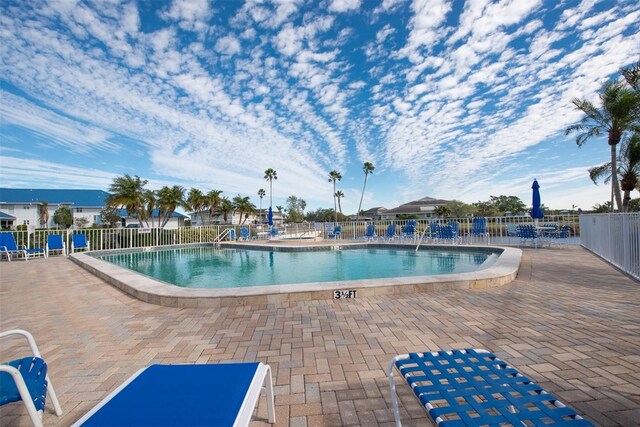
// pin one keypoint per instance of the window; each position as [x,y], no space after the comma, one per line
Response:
[78,209]
[25,207]
[26,222]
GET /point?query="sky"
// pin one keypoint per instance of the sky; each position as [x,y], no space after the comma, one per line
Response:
[448,99]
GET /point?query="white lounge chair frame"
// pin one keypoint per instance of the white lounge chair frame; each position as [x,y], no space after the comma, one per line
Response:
[36,416]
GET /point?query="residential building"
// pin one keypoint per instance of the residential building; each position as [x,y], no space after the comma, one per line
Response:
[418,209]
[35,208]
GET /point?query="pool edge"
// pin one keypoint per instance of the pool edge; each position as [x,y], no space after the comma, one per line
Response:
[502,272]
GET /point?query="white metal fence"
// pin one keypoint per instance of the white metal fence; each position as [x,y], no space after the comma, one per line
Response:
[501,230]
[615,237]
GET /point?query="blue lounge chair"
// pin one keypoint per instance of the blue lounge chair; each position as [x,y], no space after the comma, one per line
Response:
[55,243]
[528,232]
[473,388]
[370,232]
[244,233]
[391,232]
[79,242]
[409,230]
[445,232]
[562,235]
[26,379]
[336,233]
[434,229]
[9,248]
[232,235]
[479,228]
[186,395]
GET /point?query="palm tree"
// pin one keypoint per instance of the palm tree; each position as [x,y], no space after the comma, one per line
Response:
[367,168]
[619,112]
[149,205]
[197,203]
[339,195]
[168,200]
[628,168]
[244,206]
[261,194]
[225,207]
[44,214]
[303,206]
[270,175]
[334,176]
[214,201]
[128,192]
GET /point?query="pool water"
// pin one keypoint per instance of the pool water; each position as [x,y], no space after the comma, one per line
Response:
[214,267]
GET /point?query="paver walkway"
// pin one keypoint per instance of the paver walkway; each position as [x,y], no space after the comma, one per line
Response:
[570,322]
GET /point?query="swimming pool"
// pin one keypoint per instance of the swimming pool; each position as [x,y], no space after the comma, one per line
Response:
[494,273]
[216,267]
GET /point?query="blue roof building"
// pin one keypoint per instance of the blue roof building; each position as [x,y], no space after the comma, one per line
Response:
[75,198]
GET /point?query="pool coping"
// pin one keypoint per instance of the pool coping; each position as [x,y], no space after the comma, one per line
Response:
[502,272]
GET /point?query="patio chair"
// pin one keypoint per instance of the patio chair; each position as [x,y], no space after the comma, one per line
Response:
[473,388]
[445,232]
[26,379]
[434,229]
[528,232]
[479,228]
[232,235]
[391,232]
[79,242]
[409,231]
[561,236]
[222,394]
[9,248]
[244,233]
[370,232]
[336,233]
[55,243]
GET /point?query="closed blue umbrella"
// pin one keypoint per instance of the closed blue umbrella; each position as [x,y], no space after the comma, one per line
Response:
[270,216]
[536,209]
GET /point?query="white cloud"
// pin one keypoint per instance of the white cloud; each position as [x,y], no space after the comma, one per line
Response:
[344,5]
[228,45]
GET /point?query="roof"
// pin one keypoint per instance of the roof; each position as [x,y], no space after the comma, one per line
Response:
[77,198]
[426,204]
[6,216]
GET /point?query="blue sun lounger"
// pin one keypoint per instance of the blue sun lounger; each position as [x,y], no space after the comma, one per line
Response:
[474,388]
[221,395]
[9,248]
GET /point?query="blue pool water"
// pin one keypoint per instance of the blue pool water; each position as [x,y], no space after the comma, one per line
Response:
[211,267]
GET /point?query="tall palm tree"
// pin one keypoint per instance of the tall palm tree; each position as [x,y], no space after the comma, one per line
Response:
[619,112]
[261,194]
[214,201]
[367,168]
[303,206]
[168,200]
[44,214]
[150,204]
[243,205]
[225,207]
[128,192]
[197,203]
[270,175]
[334,176]
[628,168]
[339,195]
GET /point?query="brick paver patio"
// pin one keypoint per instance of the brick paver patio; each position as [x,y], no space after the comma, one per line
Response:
[570,322]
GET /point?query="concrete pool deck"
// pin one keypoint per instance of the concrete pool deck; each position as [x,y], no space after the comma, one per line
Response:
[569,321]
[147,289]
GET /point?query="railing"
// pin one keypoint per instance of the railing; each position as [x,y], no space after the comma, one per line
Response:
[500,230]
[614,237]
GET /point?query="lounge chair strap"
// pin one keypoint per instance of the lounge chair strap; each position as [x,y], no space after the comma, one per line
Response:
[34,373]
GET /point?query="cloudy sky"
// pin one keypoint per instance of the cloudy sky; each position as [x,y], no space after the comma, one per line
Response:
[448,99]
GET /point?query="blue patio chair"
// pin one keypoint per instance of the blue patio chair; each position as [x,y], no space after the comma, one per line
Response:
[245,233]
[434,229]
[336,233]
[79,242]
[528,233]
[26,380]
[55,243]
[445,232]
[274,232]
[479,228]
[391,232]
[232,235]
[409,231]
[473,388]
[9,248]
[562,236]
[222,394]
[455,226]
[370,232]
